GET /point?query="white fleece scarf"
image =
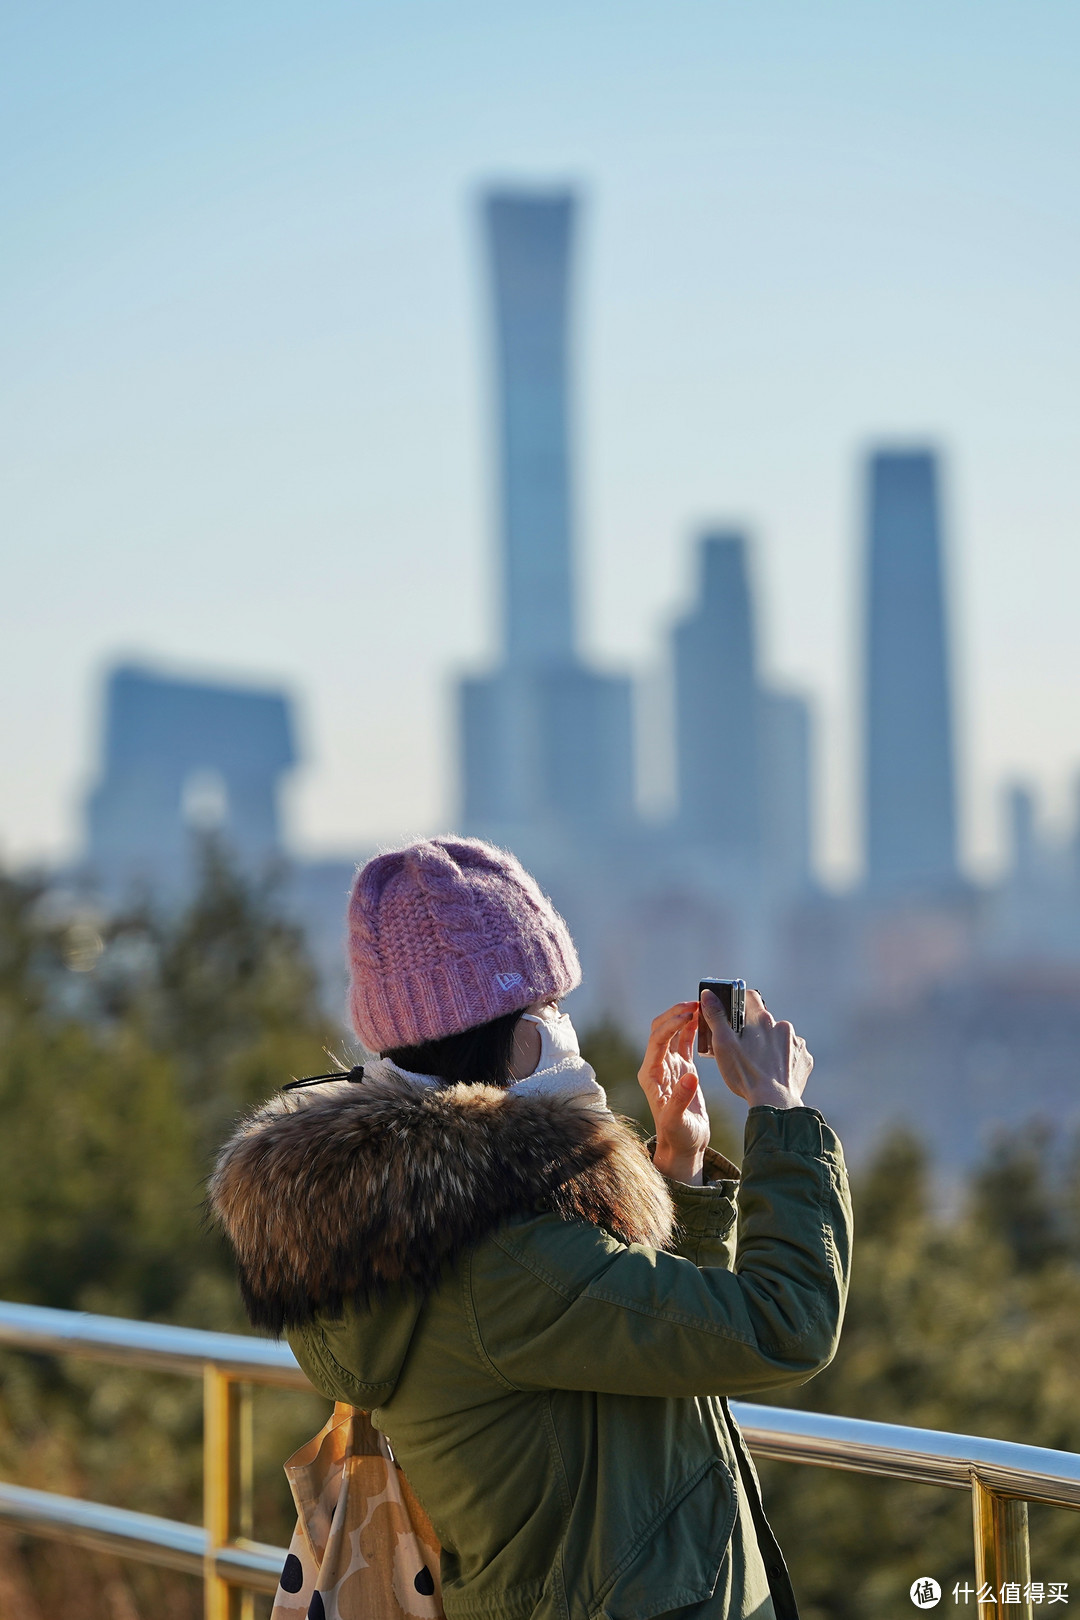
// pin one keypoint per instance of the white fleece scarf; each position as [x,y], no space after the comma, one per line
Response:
[561,1071]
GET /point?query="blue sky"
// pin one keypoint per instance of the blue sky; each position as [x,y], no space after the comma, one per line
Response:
[243,402]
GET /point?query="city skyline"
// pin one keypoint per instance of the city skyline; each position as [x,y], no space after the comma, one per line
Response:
[236,320]
[547,746]
[548,754]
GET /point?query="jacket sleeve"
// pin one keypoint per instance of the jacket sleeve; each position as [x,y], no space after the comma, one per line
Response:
[706,1215]
[563,1305]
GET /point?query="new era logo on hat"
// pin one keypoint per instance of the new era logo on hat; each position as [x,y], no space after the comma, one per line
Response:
[507,981]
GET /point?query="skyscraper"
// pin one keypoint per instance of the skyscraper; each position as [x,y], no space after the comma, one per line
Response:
[716,704]
[529,239]
[182,757]
[546,741]
[908,738]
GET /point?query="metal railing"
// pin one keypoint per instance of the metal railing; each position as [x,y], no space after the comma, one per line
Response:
[1002,1477]
[223,1552]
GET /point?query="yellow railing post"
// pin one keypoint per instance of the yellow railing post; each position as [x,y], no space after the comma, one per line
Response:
[227,1486]
[1002,1552]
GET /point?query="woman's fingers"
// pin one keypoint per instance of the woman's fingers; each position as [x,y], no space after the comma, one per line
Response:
[682,1095]
[684,1039]
[726,1047]
[670,1082]
[668,1062]
[768,1063]
[672,1018]
[756,1010]
[666,1027]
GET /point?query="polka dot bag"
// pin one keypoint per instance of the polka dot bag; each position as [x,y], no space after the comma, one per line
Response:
[363,1547]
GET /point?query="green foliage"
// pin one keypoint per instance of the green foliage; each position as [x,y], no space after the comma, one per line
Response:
[112,1112]
[123,1066]
[235,1001]
[121,1070]
[955,1322]
[97,1180]
[1015,1198]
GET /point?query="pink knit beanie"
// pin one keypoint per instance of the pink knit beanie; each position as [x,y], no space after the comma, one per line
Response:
[448,933]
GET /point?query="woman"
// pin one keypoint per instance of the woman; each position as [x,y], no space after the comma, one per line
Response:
[545,1324]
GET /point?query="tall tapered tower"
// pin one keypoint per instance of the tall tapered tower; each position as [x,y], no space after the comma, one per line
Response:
[529,254]
[910,798]
[546,741]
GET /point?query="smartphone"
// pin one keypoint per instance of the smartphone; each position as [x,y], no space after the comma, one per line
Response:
[732,996]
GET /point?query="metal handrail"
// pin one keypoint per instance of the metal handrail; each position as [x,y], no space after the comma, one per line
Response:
[923,1456]
[137,1535]
[153,1345]
[1001,1475]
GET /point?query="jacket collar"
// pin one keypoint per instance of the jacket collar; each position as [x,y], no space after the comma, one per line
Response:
[333,1194]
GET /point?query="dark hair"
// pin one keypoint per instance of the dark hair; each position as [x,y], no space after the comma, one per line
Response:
[478,1056]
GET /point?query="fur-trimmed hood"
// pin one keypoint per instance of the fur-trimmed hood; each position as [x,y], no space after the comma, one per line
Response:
[335,1194]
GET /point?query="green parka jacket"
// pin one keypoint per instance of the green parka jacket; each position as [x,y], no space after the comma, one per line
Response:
[547,1330]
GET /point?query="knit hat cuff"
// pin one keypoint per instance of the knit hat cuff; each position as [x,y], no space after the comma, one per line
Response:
[448,997]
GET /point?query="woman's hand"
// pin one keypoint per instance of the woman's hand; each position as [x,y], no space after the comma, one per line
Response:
[767,1063]
[669,1080]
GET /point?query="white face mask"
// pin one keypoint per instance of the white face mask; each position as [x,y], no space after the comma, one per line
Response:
[560,1068]
[558,1041]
